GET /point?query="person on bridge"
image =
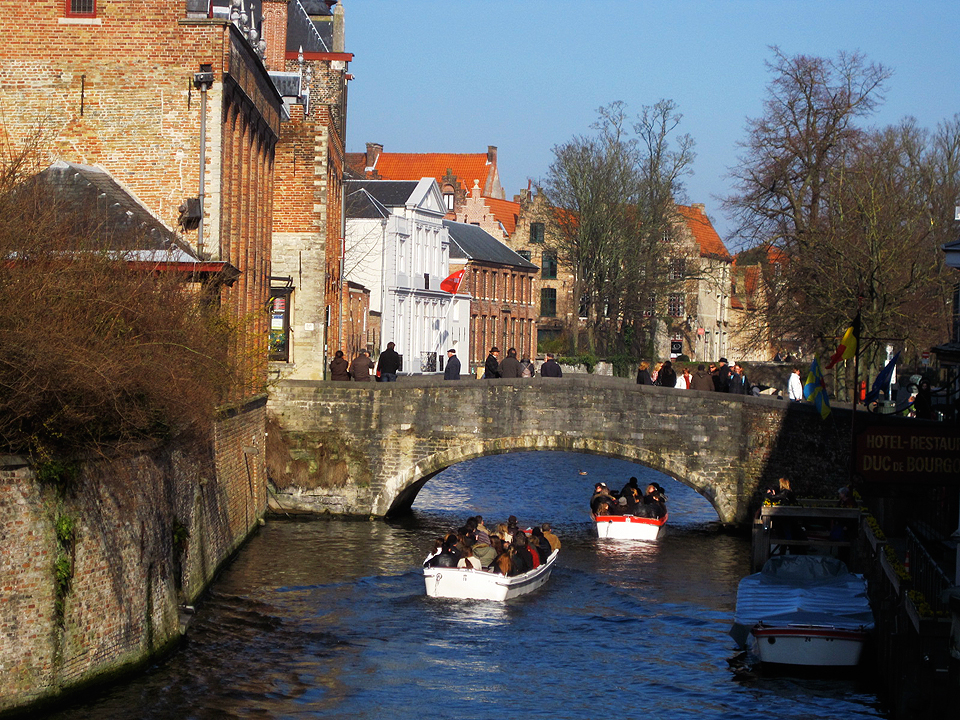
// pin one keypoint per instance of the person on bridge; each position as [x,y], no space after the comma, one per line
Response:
[511,367]
[643,374]
[702,380]
[361,365]
[339,369]
[721,379]
[738,381]
[452,370]
[550,368]
[795,386]
[667,377]
[389,364]
[491,366]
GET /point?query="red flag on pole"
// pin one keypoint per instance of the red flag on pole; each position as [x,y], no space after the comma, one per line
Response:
[452,283]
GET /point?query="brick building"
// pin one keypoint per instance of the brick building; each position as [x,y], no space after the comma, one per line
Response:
[503,309]
[313,307]
[152,92]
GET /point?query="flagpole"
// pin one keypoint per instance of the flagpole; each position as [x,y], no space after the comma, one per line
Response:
[858,331]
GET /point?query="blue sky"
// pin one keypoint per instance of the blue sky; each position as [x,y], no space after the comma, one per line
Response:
[527,75]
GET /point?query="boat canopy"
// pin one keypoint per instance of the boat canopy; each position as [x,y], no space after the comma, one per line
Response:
[802,590]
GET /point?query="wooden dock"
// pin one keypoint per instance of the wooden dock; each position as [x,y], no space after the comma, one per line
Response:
[814,528]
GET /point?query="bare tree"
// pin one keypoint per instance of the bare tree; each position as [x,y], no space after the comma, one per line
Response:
[852,217]
[614,195]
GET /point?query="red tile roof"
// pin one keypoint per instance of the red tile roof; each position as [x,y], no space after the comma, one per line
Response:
[467,167]
[505,211]
[707,238]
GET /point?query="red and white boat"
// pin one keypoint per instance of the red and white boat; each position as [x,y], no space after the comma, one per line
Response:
[803,610]
[629,527]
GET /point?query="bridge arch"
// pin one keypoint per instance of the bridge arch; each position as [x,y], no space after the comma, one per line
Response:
[404,488]
[390,438]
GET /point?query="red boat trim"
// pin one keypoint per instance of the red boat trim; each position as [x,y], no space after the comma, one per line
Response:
[631,519]
[825,633]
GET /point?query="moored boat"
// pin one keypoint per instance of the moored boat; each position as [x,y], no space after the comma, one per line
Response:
[629,527]
[803,610]
[469,584]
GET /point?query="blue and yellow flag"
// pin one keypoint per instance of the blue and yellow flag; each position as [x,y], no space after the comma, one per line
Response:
[815,390]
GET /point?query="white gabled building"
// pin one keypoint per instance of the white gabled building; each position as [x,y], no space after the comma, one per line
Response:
[398,248]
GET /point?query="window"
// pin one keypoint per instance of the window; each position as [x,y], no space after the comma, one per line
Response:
[536,232]
[280,324]
[548,265]
[651,305]
[675,305]
[81,8]
[448,201]
[548,302]
[678,269]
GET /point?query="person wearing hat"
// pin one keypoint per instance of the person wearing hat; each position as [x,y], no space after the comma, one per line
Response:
[491,367]
[721,380]
[452,370]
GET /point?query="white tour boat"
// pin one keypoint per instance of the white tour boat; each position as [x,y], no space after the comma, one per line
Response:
[470,584]
[803,610]
[629,527]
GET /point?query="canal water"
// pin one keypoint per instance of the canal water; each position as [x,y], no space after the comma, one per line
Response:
[328,619]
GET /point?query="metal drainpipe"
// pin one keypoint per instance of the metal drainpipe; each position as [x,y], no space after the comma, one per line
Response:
[202,80]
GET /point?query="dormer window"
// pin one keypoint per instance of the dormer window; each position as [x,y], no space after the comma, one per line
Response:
[81,8]
[449,199]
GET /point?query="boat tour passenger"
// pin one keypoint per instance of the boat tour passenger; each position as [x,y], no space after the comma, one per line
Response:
[521,555]
[449,554]
[550,536]
[469,560]
[539,543]
[602,502]
[654,502]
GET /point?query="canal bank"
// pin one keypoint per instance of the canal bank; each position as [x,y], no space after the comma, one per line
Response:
[98,558]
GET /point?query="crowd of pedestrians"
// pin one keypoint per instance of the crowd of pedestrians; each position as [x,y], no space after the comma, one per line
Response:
[506,550]
[720,377]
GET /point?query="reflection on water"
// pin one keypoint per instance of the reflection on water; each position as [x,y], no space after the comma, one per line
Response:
[329,619]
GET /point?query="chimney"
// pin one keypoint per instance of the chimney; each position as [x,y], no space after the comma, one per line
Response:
[338,29]
[492,154]
[699,207]
[373,152]
[274,31]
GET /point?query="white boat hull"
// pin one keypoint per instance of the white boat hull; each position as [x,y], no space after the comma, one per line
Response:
[628,527]
[471,584]
[815,646]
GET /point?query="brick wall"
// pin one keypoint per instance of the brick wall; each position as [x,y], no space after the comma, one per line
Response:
[129,577]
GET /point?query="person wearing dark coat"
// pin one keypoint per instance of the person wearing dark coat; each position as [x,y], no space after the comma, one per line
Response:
[452,370]
[550,368]
[702,380]
[389,364]
[721,380]
[738,381]
[339,369]
[511,367]
[360,367]
[491,366]
[643,374]
[667,377]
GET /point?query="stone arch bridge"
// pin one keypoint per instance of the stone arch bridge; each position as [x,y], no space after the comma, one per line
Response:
[368,448]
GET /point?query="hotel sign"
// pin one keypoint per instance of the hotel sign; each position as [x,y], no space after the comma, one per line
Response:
[894,454]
